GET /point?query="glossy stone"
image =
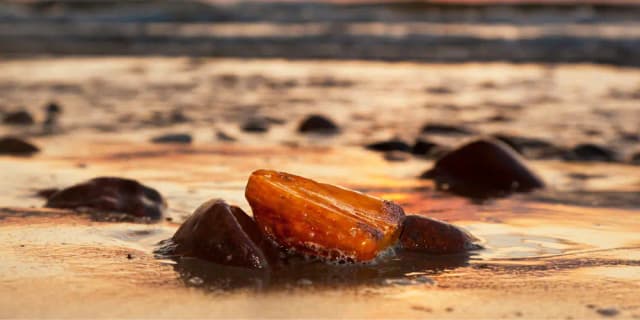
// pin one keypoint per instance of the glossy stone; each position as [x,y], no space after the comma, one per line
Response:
[318,124]
[16,146]
[483,168]
[111,194]
[322,220]
[432,236]
[224,234]
[183,138]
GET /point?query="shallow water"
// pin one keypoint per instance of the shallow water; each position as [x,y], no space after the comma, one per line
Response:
[572,245]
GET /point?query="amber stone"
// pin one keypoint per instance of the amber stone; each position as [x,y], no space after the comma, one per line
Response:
[322,220]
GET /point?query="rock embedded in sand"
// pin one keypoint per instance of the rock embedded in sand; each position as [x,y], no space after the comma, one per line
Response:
[111,194]
[444,129]
[16,146]
[432,236]
[173,138]
[318,124]
[256,125]
[483,168]
[21,117]
[389,145]
[322,220]
[223,234]
[590,152]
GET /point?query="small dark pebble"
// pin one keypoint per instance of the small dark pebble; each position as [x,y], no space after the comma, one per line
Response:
[591,306]
[443,129]
[178,116]
[129,256]
[53,107]
[590,152]
[396,156]
[482,169]
[16,146]
[222,136]
[111,194]
[423,147]
[448,309]
[432,236]
[608,312]
[318,124]
[223,234]
[389,145]
[256,125]
[439,90]
[21,117]
[173,138]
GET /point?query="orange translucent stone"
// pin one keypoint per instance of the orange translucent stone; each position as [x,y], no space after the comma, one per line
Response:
[322,220]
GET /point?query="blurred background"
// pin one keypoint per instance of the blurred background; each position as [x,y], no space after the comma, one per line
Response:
[602,31]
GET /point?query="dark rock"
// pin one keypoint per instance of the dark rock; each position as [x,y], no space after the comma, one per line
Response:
[110,194]
[423,147]
[530,147]
[256,125]
[53,107]
[53,110]
[608,312]
[178,116]
[444,129]
[483,168]
[173,138]
[435,237]
[222,136]
[590,152]
[16,146]
[439,90]
[318,124]
[396,156]
[224,234]
[21,117]
[389,145]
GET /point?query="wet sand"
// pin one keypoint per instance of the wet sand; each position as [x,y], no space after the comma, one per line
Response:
[570,251]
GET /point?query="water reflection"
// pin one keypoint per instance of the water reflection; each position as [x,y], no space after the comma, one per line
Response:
[403,268]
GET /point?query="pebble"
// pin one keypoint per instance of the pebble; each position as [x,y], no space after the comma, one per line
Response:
[608,312]
[590,152]
[173,138]
[256,125]
[389,145]
[318,124]
[21,117]
[224,234]
[432,236]
[443,129]
[111,194]
[222,136]
[16,146]
[483,168]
